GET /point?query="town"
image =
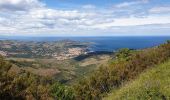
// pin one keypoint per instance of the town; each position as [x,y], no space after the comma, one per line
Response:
[70,53]
[60,50]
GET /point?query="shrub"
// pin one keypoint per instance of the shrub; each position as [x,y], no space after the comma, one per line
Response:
[112,76]
[61,92]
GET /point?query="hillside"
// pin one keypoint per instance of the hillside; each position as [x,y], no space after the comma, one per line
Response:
[125,68]
[111,75]
[154,84]
[28,86]
[64,60]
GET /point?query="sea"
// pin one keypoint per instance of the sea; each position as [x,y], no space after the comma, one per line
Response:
[112,43]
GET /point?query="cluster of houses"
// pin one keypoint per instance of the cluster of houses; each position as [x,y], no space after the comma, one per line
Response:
[2,53]
[70,53]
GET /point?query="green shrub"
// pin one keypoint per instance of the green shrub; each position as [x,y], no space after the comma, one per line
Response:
[61,92]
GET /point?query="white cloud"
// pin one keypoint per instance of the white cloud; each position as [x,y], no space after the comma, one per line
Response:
[46,13]
[134,22]
[89,6]
[33,17]
[19,5]
[130,3]
[125,4]
[160,9]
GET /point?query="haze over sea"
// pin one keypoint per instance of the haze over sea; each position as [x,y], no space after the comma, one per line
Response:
[104,43]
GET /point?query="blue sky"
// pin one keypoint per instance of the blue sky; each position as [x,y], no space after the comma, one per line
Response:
[85,17]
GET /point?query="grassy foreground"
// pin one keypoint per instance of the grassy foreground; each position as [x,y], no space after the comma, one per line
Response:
[154,84]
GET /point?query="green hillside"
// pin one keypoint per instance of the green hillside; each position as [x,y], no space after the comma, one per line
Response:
[154,84]
[127,66]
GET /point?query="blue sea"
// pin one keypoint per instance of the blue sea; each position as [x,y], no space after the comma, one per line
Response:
[105,43]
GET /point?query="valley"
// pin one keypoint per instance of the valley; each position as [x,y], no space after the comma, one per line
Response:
[65,61]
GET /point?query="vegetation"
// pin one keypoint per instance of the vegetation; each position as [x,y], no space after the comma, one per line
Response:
[61,92]
[22,86]
[66,71]
[126,66]
[28,86]
[112,76]
[53,59]
[153,84]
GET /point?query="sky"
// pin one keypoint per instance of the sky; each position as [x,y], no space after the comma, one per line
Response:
[84,17]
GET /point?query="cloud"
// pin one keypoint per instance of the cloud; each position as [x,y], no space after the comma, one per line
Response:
[45,13]
[19,5]
[125,4]
[137,8]
[129,22]
[164,9]
[33,17]
[89,6]
[130,4]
